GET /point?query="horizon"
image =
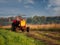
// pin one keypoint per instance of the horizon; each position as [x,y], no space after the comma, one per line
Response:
[26,16]
[29,8]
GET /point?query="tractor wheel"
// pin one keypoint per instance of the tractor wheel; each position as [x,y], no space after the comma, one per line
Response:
[22,29]
[13,29]
[27,29]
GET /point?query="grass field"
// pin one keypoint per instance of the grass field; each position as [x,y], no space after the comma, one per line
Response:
[48,34]
[13,38]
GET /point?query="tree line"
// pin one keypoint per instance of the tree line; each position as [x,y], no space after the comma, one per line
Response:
[43,20]
[33,20]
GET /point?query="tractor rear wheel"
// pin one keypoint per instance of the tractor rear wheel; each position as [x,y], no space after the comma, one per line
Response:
[27,29]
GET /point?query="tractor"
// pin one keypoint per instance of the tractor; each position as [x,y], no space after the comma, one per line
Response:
[20,24]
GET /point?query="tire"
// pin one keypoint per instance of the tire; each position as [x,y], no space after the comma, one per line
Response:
[27,29]
[13,27]
[22,29]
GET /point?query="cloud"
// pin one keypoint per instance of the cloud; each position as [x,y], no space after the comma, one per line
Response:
[54,7]
[54,2]
[6,1]
[19,0]
[3,1]
[56,11]
[28,1]
[28,6]
[6,12]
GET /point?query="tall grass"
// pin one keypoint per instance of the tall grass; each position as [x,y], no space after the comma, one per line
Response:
[45,27]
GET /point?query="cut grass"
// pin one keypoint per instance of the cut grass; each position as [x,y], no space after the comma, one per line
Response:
[44,38]
[13,38]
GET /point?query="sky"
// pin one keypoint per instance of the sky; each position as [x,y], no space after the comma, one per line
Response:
[30,7]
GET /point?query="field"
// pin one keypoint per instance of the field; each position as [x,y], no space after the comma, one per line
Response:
[44,26]
[39,35]
[13,38]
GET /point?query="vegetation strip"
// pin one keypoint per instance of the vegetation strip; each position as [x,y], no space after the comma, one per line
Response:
[50,35]
[43,38]
[13,38]
[50,39]
[5,39]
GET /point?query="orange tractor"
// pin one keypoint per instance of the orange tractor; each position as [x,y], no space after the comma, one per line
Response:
[20,24]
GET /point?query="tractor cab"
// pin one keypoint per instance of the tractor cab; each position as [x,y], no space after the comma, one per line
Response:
[23,23]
